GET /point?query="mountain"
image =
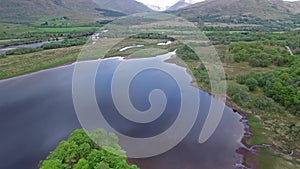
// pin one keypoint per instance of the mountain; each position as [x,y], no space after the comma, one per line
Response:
[81,10]
[263,9]
[125,6]
[178,5]
[294,6]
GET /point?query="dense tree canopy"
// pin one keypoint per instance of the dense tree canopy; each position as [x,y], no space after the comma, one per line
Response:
[81,152]
[282,85]
[259,54]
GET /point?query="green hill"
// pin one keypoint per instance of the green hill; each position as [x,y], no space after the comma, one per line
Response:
[26,11]
[125,6]
[262,9]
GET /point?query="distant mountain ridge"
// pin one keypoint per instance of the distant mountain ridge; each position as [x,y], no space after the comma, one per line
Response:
[31,10]
[264,9]
[178,5]
[125,6]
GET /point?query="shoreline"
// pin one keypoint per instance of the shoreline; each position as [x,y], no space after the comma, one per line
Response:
[244,151]
[33,72]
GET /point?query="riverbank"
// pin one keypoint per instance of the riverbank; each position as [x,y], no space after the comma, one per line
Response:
[16,65]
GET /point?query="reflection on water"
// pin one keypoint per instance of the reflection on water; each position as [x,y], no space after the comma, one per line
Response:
[37,112]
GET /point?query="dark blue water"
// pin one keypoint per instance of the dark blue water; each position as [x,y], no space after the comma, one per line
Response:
[36,113]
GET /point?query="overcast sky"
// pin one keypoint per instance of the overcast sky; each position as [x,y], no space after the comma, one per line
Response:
[164,3]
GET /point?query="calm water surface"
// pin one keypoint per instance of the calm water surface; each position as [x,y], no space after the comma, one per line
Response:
[36,113]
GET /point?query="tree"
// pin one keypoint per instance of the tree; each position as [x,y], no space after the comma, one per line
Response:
[251,84]
[102,165]
[297,51]
[52,164]
[79,152]
[82,164]
[67,152]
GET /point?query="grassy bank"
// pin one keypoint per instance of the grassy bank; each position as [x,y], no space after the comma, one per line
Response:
[14,65]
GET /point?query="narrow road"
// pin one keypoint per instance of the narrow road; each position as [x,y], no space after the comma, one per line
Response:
[289,49]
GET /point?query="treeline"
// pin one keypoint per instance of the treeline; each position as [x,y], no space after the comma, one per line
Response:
[232,19]
[259,54]
[34,37]
[222,36]
[152,36]
[81,152]
[241,95]
[68,43]
[53,45]
[259,24]
[282,85]
[21,51]
[186,53]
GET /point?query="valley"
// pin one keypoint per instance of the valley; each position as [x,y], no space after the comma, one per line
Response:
[257,41]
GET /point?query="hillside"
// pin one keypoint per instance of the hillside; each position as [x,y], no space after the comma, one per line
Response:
[263,9]
[23,11]
[125,6]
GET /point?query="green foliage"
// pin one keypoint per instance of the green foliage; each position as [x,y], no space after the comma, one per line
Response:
[186,53]
[282,85]
[297,51]
[68,29]
[35,35]
[53,164]
[21,51]
[53,45]
[238,93]
[82,164]
[295,132]
[251,84]
[81,152]
[259,54]
[102,165]
[68,43]
[255,102]
[151,36]
[235,20]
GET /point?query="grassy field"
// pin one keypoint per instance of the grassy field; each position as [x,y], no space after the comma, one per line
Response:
[15,28]
[15,65]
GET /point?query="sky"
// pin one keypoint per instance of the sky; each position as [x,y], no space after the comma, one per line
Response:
[165,3]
